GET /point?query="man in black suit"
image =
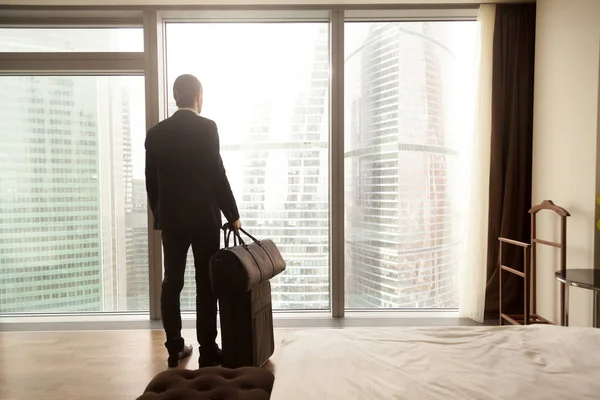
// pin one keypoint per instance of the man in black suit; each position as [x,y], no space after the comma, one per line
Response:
[187,190]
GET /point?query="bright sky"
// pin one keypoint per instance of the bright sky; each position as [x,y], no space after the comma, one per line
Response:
[243,64]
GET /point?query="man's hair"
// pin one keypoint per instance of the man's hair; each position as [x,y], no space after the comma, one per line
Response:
[185,90]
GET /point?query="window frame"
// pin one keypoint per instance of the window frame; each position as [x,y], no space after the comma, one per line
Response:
[63,62]
[269,16]
[151,64]
[69,64]
[412,14]
[364,15]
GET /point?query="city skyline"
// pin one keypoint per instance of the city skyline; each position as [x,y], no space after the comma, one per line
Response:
[273,117]
[66,183]
[399,242]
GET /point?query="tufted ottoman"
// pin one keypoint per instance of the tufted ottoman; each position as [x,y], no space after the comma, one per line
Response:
[216,383]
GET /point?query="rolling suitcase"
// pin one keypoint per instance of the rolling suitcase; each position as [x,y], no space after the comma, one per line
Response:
[240,279]
[247,327]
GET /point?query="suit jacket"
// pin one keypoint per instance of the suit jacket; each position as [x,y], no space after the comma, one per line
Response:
[185,179]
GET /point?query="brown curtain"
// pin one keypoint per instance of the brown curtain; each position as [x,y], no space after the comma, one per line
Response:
[511,149]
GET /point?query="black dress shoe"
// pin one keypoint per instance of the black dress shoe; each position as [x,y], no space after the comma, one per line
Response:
[175,358]
[210,358]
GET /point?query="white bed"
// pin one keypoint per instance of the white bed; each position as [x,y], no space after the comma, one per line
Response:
[535,362]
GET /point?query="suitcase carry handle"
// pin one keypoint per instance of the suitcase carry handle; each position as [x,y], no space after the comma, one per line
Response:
[227,235]
[228,229]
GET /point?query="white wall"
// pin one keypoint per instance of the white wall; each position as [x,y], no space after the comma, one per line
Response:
[566,160]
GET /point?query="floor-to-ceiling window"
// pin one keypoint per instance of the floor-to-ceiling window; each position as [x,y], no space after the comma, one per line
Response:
[266,85]
[73,219]
[409,93]
[74,234]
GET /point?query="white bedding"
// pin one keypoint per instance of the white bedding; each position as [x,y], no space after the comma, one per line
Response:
[535,362]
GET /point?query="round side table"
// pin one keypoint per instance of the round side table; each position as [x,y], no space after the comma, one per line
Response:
[582,278]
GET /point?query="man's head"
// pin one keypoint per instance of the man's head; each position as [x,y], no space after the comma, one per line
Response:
[187,91]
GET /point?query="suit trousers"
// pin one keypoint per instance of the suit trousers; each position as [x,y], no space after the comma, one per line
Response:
[175,248]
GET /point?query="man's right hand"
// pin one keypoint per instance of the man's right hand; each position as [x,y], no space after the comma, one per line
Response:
[237,225]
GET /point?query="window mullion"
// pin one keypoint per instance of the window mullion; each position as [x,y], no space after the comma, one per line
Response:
[153,43]
[337,165]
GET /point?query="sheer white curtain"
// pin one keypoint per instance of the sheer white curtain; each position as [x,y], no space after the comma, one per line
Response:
[472,272]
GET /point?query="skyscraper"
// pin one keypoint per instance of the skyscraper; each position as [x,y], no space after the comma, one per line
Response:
[302,232]
[115,167]
[50,237]
[399,237]
[137,249]
[284,191]
[65,186]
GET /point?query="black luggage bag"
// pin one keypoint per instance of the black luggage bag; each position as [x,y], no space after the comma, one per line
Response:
[240,279]
[247,327]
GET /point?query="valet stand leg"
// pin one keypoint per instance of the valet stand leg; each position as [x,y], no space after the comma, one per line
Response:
[527,277]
